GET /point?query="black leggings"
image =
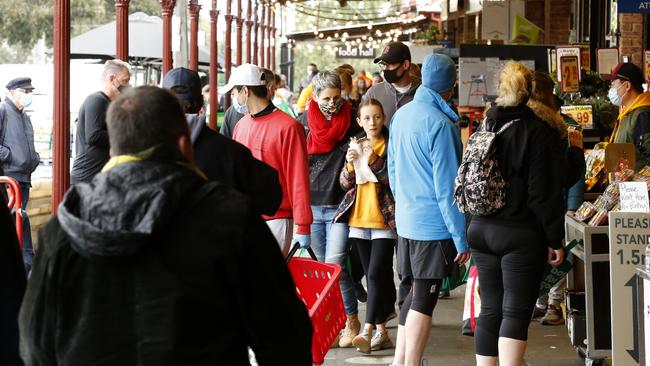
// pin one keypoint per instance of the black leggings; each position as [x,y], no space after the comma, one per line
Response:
[422,298]
[377,260]
[510,258]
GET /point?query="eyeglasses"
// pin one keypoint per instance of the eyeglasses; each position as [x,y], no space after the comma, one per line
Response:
[386,66]
[24,91]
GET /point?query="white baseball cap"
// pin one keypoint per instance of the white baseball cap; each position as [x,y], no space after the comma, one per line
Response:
[245,75]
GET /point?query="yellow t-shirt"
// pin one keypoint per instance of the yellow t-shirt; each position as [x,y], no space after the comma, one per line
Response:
[365,211]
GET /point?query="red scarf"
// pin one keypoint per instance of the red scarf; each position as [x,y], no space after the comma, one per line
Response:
[324,135]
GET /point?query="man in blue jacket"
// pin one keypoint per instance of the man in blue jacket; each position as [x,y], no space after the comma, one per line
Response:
[18,156]
[424,152]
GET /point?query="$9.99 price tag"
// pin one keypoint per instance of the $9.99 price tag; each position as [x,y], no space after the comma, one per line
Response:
[583,114]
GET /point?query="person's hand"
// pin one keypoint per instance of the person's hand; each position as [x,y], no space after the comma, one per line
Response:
[352,155]
[575,138]
[461,258]
[304,240]
[555,256]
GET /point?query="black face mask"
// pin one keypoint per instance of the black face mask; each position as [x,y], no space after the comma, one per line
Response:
[391,75]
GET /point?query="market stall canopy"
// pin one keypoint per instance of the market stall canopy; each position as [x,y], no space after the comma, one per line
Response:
[145,41]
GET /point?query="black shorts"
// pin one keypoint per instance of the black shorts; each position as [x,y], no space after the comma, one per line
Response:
[426,259]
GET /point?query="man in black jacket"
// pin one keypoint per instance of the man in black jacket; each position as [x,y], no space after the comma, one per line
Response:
[220,158]
[91,139]
[149,264]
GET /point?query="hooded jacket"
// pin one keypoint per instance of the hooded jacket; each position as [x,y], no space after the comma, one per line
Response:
[18,155]
[424,152]
[391,100]
[530,157]
[150,265]
[633,126]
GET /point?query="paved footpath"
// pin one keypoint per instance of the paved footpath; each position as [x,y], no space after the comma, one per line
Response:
[548,345]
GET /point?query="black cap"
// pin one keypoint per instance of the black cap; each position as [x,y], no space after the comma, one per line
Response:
[20,83]
[394,52]
[629,72]
[185,83]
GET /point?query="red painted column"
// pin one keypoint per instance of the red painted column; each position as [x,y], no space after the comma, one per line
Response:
[61,117]
[273,34]
[122,29]
[238,40]
[256,25]
[167,12]
[214,96]
[262,36]
[249,31]
[228,51]
[194,8]
[269,16]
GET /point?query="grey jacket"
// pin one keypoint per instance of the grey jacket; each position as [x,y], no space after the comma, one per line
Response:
[391,100]
[18,155]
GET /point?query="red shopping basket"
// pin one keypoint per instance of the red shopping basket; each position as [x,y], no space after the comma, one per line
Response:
[317,285]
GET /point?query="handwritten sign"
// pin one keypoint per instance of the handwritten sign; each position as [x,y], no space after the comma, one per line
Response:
[634,197]
[565,51]
[570,71]
[583,114]
[585,57]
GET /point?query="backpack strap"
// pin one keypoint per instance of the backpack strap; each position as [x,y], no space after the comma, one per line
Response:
[505,127]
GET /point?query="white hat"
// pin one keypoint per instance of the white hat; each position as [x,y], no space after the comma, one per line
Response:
[245,75]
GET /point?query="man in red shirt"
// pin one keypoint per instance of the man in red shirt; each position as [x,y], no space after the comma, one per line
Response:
[278,140]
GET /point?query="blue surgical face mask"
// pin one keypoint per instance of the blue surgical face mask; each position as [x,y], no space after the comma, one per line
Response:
[240,108]
[26,100]
[616,99]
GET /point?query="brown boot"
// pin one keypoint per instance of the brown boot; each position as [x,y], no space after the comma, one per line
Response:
[351,330]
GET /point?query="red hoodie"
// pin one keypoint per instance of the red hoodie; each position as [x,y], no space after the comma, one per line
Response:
[279,140]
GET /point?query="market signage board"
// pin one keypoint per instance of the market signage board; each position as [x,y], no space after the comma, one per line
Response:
[628,235]
[634,197]
[355,52]
[499,17]
[606,60]
[583,114]
[633,6]
[565,51]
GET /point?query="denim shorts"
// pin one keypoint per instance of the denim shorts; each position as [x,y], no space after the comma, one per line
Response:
[371,234]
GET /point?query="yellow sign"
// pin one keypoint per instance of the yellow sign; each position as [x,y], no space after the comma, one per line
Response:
[570,70]
[525,31]
[583,114]
[585,54]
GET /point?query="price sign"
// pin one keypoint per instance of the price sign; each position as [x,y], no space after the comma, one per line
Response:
[585,57]
[570,71]
[628,235]
[563,51]
[583,114]
[634,197]
[606,60]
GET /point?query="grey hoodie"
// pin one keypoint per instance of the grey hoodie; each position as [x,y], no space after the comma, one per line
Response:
[391,100]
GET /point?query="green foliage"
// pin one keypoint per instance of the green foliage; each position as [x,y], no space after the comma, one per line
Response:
[428,36]
[24,22]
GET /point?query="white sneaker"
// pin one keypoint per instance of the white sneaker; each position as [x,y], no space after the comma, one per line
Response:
[381,341]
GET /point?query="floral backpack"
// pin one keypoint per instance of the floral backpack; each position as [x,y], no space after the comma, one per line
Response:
[480,187]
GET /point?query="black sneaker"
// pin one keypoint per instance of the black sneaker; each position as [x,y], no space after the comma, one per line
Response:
[360,291]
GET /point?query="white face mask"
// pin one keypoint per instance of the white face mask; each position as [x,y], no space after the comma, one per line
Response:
[616,99]
[240,108]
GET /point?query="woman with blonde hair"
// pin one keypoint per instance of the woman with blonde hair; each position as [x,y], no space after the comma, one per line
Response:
[511,246]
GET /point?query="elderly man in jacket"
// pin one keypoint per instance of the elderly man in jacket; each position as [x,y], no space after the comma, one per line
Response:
[18,155]
[150,264]
[424,152]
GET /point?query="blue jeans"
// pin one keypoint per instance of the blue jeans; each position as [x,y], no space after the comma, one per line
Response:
[28,250]
[330,244]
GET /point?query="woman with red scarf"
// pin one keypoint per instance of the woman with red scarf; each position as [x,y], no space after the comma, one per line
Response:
[329,127]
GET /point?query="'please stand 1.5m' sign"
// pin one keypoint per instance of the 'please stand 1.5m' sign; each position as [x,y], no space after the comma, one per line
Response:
[629,233]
